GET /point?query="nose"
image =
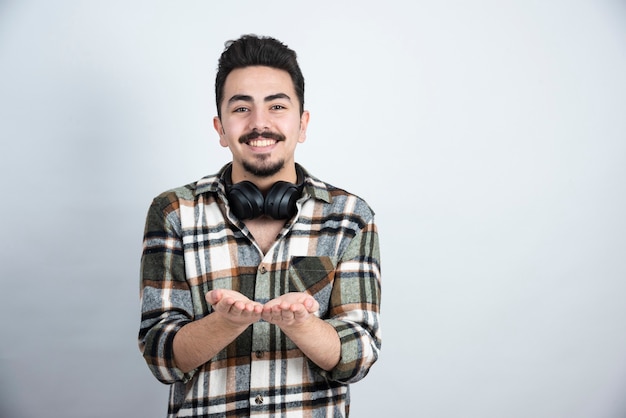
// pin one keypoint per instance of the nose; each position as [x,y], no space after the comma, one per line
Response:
[260,120]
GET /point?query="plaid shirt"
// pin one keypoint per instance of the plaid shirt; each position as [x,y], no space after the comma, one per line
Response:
[193,244]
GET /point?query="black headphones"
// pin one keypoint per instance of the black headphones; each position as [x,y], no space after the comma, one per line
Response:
[247,201]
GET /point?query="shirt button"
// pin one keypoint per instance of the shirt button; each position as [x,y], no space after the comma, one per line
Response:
[259,354]
[258,400]
[263,269]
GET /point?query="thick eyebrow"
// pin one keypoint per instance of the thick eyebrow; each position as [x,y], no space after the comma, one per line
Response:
[277,96]
[240,97]
[247,98]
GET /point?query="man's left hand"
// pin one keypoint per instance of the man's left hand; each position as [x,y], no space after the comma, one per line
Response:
[290,309]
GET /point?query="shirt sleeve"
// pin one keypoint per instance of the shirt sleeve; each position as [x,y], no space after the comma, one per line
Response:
[355,307]
[166,304]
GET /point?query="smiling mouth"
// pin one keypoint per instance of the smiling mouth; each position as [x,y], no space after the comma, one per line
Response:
[261,139]
[261,142]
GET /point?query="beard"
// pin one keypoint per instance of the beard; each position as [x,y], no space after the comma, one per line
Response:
[262,167]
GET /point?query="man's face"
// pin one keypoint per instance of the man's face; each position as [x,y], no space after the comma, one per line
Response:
[261,122]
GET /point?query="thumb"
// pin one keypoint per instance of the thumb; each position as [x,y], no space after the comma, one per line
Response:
[311,305]
[213,296]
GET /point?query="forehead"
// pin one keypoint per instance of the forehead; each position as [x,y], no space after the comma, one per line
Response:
[258,81]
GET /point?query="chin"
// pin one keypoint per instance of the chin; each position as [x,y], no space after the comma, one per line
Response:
[264,169]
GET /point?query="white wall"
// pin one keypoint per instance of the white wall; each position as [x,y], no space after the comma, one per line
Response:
[489,136]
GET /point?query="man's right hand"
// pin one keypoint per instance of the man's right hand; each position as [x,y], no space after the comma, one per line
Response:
[199,341]
[234,306]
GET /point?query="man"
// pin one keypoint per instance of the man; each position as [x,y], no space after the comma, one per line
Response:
[260,285]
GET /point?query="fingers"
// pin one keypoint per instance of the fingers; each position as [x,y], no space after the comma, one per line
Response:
[234,306]
[285,313]
[243,308]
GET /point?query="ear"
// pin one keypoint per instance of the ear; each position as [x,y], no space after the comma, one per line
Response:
[304,122]
[217,125]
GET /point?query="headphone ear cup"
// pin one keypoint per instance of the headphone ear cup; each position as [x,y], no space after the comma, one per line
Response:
[246,200]
[280,202]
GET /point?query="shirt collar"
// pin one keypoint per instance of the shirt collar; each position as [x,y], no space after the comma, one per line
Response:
[214,183]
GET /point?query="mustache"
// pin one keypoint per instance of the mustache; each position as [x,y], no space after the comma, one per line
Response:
[265,134]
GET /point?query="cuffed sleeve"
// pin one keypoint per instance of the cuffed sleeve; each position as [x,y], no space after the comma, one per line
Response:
[166,304]
[355,307]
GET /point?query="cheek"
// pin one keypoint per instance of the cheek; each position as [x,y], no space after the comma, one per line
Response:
[229,135]
[231,130]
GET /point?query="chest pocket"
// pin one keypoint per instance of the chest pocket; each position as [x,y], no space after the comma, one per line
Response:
[315,276]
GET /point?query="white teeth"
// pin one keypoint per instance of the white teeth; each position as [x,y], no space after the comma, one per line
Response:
[262,142]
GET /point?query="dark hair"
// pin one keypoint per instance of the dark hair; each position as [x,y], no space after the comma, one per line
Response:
[250,50]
